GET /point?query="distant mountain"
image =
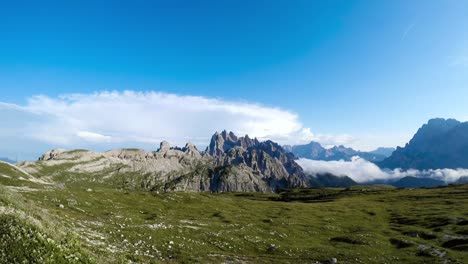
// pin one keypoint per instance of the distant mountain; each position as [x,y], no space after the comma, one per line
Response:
[315,151]
[441,143]
[331,181]
[411,182]
[414,182]
[463,179]
[8,160]
[387,152]
[229,164]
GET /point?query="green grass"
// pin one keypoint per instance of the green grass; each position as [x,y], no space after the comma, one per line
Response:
[22,242]
[361,224]
[7,170]
[31,235]
[75,151]
[355,226]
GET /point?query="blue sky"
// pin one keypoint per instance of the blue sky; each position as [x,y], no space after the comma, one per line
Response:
[361,73]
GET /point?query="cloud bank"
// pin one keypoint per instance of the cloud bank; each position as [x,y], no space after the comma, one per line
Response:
[362,171]
[129,118]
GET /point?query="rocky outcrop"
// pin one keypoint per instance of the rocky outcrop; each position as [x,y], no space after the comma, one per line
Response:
[51,154]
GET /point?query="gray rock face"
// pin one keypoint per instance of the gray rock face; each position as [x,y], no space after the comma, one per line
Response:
[221,142]
[267,160]
[164,147]
[191,150]
[51,154]
[245,164]
[230,163]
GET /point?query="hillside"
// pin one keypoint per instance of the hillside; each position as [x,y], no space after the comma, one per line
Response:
[28,233]
[441,143]
[93,222]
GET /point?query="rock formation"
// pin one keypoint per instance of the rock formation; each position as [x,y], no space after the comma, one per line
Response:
[51,154]
[221,142]
[230,163]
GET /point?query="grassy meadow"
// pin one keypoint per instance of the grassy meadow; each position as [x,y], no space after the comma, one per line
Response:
[82,221]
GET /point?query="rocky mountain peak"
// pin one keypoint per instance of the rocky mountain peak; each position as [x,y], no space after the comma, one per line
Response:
[191,150]
[222,142]
[164,146]
[433,128]
[441,143]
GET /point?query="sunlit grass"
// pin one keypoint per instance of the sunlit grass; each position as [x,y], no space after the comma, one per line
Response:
[363,224]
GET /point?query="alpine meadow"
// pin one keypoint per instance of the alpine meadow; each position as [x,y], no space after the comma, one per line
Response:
[234,132]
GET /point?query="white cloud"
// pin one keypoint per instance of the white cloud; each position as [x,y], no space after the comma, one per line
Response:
[362,171]
[117,119]
[357,169]
[305,135]
[93,137]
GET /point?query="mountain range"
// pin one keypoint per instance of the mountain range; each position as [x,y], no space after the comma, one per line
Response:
[243,164]
[441,143]
[315,151]
[229,164]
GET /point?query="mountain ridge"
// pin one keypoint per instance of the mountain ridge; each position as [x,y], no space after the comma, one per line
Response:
[440,143]
[316,151]
[8,160]
[229,164]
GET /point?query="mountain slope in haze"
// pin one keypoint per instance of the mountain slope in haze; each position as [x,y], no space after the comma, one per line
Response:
[328,180]
[387,152]
[415,182]
[315,151]
[441,143]
[8,160]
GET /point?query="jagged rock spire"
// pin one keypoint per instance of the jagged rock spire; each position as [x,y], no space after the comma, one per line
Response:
[191,150]
[221,142]
[164,146]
